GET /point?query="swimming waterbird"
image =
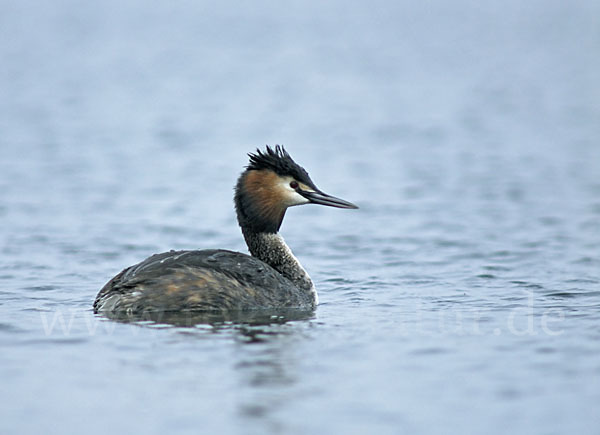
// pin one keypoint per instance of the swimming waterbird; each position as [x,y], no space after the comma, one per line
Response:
[220,280]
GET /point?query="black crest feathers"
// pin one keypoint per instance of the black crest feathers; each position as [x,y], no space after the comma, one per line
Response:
[279,161]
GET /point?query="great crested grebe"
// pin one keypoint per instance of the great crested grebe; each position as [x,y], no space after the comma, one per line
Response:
[220,280]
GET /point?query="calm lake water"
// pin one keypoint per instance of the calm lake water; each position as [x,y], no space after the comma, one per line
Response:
[462,297]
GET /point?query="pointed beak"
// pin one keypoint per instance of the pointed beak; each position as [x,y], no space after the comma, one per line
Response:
[318,197]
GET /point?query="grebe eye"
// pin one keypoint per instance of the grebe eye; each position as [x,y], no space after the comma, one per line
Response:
[294,184]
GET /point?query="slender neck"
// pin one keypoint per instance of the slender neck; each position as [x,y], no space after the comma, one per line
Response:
[272,249]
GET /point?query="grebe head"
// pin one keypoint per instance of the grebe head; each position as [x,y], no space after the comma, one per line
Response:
[271,183]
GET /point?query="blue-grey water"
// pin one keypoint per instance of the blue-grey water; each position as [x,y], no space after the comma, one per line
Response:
[462,297]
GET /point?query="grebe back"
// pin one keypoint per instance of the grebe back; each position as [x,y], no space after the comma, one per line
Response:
[221,280]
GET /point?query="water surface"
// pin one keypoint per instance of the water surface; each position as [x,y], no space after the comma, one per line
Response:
[463,296]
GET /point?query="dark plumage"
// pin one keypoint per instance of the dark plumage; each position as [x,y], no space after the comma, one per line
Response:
[280,162]
[207,280]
